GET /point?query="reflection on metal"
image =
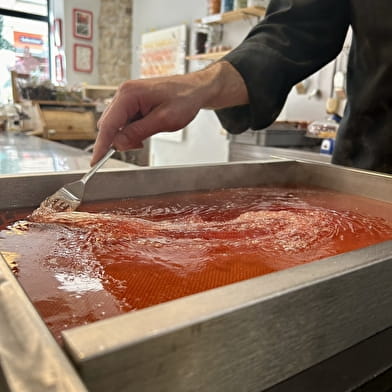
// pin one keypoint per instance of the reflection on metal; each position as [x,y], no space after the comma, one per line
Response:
[29,154]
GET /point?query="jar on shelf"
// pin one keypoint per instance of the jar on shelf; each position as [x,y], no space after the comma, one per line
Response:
[258,3]
[240,4]
[202,32]
[324,129]
[227,6]
[13,120]
[214,6]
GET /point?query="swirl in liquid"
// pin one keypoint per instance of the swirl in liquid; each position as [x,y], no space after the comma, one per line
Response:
[120,256]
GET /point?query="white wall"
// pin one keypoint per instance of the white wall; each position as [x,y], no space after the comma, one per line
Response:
[63,9]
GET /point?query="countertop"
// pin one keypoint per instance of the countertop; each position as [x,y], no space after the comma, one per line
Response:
[20,153]
[248,152]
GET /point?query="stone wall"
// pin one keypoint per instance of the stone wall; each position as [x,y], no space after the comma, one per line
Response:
[114,52]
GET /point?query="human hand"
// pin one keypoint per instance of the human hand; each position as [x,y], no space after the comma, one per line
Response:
[142,108]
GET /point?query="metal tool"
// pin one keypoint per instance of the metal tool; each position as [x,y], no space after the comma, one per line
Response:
[69,197]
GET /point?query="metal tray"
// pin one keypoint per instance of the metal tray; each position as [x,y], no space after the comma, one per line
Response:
[246,336]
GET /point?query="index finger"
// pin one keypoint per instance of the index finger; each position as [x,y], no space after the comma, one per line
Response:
[114,118]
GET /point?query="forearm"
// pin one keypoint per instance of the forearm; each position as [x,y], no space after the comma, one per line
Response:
[219,86]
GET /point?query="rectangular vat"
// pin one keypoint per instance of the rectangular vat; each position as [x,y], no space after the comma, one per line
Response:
[250,335]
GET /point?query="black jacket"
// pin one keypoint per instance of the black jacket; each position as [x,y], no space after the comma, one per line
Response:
[297,38]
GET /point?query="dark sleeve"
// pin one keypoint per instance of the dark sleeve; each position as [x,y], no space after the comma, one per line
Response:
[294,40]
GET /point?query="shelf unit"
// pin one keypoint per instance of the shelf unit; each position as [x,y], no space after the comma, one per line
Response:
[223,18]
[64,103]
[98,91]
[213,56]
[232,16]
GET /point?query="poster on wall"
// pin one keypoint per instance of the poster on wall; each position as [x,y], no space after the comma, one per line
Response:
[31,54]
[58,32]
[59,68]
[163,54]
[83,58]
[82,24]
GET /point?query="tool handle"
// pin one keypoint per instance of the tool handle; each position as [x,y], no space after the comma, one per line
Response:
[92,171]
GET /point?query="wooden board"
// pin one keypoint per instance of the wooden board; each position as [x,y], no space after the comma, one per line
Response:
[232,16]
[69,125]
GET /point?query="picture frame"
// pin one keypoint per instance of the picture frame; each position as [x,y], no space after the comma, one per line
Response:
[83,58]
[163,52]
[58,32]
[82,24]
[59,68]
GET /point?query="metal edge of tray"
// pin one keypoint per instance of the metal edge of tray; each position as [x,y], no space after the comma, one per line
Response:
[28,191]
[30,358]
[245,336]
[31,189]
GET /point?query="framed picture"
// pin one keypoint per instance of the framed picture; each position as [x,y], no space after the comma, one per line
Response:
[83,58]
[58,32]
[82,24]
[163,52]
[59,68]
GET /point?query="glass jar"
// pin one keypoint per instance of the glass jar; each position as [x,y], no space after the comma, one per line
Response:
[214,6]
[202,32]
[238,4]
[13,121]
[325,129]
[227,6]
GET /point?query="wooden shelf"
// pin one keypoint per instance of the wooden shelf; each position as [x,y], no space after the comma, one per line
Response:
[99,91]
[63,103]
[99,87]
[232,16]
[208,56]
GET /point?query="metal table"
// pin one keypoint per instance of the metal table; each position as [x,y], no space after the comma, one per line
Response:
[20,153]
[249,152]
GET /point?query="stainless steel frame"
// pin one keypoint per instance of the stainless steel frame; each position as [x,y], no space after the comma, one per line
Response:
[30,358]
[246,336]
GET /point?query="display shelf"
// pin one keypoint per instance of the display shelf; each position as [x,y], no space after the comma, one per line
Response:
[208,56]
[232,16]
[64,103]
[98,91]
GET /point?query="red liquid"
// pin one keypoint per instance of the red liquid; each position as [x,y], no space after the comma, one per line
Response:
[79,268]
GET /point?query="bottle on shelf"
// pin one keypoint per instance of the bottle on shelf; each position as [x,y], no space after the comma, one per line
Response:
[214,7]
[202,33]
[227,6]
[238,4]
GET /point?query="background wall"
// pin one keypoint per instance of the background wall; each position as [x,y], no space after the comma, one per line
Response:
[115,27]
[63,9]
